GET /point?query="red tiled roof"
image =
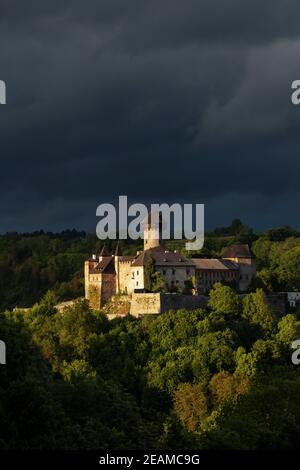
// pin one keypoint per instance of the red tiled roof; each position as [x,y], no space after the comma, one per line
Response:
[104,266]
[214,264]
[162,257]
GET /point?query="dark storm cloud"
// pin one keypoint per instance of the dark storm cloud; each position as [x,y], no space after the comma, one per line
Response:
[171,100]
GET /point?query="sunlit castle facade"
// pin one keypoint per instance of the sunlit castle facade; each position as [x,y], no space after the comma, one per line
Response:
[110,274]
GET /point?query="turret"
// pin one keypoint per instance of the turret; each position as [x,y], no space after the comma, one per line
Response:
[117,265]
[152,230]
[245,259]
[103,253]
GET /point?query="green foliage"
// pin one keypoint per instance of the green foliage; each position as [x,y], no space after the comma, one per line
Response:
[31,264]
[189,285]
[213,378]
[288,330]
[149,273]
[278,264]
[158,282]
[267,417]
[223,299]
[186,379]
[228,387]
[190,405]
[257,310]
[154,280]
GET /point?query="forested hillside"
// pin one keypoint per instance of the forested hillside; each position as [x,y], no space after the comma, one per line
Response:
[31,264]
[204,379]
[220,377]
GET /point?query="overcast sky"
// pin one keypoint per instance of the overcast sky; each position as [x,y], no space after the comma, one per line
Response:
[160,100]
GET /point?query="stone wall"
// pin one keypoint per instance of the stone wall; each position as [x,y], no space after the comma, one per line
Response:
[124,272]
[277,302]
[94,295]
[144,304]
[118,306]
[177,301]
[154,304]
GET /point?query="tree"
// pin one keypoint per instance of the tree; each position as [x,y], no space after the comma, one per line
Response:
[257,420]
[257,310]
[236,227]
[224,300]
[158,282]
[281,233]
[149,272]
[288,330]
[225,386]
[190,404]
[289,269]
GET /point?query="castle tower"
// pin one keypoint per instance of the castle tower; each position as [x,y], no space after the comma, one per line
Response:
[88,265]
[117,255]
[152,231]
[245,259]
[92,282]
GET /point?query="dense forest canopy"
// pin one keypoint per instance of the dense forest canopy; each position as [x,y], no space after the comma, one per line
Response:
[219,377]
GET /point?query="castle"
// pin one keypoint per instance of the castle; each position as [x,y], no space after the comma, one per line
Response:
[108,274]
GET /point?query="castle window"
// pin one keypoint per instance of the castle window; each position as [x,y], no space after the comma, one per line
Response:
[137,273]
[187,272]
[164,272]
[137,283]
[173,271]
